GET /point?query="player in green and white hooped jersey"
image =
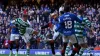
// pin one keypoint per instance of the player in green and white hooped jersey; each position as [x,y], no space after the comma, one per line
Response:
[79,30]
[25,30]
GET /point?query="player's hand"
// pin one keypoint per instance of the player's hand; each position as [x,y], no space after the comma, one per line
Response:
[13,21]
[35,32]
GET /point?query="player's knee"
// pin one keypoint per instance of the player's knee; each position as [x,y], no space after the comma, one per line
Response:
[54,37]
[84,45]
[17,44]
[75,49]
[65,44]
[62,52]
[11,42]
[76,45]
[51,41]
[28,44]
[65,40]
[16,41]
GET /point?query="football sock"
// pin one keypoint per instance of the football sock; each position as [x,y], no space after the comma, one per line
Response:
[11,45]
[67,49]
[81,51]
[63,50]
[28,50]
[76,49]
[17,47]
[52,47]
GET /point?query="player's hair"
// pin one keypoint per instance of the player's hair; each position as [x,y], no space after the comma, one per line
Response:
[66,8]
[61,12]
[80,10]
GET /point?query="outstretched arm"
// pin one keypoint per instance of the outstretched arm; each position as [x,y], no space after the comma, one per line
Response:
[46,26]
[35,32]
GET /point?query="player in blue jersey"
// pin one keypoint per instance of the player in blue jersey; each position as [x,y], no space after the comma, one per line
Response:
[52,25]
[66,28]
[14,37]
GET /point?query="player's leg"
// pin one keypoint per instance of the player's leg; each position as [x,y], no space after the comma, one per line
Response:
[31,31]
[17,44]
[74,41]
[28,48]
[83,43]
[26,40]
[27,37]
[27,45]
[65,41]
[56,34]
[52,47]
[12,38]
[69,46]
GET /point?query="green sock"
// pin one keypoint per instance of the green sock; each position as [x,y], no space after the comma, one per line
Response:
[28,51]
[81,51]
[67,49]
[89,50]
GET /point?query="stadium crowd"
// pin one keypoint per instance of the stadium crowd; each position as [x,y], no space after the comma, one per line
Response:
[39,17]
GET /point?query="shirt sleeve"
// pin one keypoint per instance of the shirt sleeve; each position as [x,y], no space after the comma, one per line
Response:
[77,19]
[87,22]
[47,25]
[29,23]
[13,21]
[59,24]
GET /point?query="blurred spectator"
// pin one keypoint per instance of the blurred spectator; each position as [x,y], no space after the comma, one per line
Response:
[91,39]
[39,15]
[97,48]
[1,11]
[6,44]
